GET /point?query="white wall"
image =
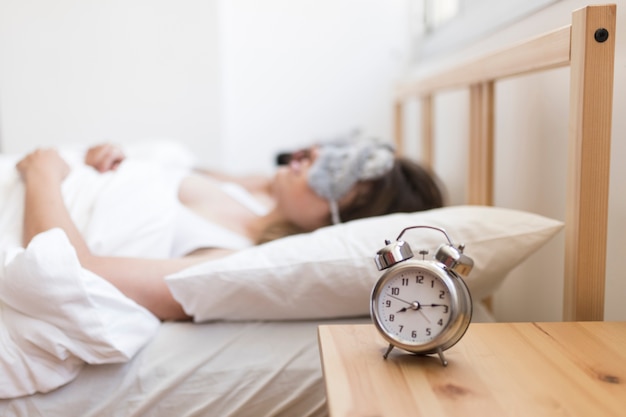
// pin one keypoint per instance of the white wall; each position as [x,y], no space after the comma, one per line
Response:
[89,70]
[298,71]
[236,80]
[531,139]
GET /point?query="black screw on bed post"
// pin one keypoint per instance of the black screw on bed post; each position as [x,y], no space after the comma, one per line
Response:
[601,35]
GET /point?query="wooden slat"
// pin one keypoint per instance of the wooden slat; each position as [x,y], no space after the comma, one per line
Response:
[398,121]
[551,50]
[428,133]
[480,175]
[591,98]
[481,151]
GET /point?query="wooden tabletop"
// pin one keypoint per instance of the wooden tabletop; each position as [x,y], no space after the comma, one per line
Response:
[497,369]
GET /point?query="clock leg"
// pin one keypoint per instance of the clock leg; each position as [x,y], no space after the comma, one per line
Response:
[389,349]
[443,360]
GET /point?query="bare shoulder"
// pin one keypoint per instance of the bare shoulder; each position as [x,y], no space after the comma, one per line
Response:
[252,182]
[207,254]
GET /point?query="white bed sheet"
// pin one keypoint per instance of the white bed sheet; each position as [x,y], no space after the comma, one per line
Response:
[213,369]
[54,314]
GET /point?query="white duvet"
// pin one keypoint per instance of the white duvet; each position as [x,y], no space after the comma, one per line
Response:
[56,316]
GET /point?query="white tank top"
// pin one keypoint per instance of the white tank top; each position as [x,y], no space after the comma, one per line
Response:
[193,231]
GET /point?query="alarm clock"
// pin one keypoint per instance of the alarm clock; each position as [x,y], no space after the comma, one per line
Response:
[422,306]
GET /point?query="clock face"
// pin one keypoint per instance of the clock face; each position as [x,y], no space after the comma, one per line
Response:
[413,305]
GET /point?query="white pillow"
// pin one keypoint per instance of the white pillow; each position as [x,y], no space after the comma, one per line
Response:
[56,316]
[330,272]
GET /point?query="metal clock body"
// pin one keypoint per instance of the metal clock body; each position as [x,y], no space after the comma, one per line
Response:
[421,306]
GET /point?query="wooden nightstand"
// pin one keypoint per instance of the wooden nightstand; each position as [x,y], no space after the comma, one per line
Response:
[497,369]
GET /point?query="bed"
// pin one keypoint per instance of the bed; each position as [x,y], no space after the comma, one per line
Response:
[252,348]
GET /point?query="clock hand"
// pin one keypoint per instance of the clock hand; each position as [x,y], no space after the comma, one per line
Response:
[424,315]
[400,299]
[415,305]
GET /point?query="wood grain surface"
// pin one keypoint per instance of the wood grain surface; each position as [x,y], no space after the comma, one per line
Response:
[497,369]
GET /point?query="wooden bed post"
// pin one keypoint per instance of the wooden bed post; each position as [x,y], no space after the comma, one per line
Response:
[591,90]
[480,175]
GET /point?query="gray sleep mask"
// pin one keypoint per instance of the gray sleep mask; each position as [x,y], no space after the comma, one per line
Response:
[339,166]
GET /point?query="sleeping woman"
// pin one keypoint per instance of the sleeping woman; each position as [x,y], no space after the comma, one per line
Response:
[320,186]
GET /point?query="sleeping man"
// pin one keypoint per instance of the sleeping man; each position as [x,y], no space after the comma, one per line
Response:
[216,214]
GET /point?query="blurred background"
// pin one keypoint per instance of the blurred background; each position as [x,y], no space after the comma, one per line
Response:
[238,81]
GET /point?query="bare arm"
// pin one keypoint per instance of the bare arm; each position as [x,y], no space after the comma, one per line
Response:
[43,172]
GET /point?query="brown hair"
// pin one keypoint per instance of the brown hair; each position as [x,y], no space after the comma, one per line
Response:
[407,187]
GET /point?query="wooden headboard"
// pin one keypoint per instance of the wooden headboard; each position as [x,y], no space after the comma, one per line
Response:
[587,47]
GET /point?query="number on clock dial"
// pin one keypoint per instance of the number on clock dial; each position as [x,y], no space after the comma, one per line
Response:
[414,306]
